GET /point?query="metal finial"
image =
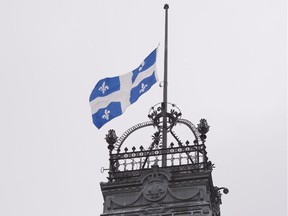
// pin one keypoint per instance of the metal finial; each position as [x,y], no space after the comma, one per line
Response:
[166,6]
[203,128]
[111,139]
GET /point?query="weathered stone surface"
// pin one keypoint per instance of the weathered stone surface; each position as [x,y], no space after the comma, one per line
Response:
[158,192]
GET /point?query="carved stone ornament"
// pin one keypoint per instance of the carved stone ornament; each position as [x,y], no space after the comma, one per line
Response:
[155,191]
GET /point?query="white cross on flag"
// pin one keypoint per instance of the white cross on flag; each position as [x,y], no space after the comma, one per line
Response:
[111,96]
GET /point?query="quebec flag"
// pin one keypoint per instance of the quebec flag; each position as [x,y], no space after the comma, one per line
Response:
[111,96]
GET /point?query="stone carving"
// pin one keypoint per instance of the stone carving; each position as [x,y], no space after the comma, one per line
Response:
[188,194]
[155,191]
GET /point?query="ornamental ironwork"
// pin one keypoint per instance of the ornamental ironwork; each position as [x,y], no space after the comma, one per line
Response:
[188,156]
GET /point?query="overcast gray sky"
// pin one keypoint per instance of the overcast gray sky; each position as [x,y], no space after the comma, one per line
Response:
[227,63]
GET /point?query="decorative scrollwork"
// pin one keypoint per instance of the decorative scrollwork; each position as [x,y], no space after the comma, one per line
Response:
[156,138]
[130,131]
[217,199]
[185,157]
[157,113]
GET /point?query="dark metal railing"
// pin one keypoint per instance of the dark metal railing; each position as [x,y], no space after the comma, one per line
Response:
[185,157]
[129,164]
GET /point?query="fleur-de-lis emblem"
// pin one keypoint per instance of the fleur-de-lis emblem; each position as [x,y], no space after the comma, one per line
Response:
[143,87]
[142,65]
[103,88]
[106,114]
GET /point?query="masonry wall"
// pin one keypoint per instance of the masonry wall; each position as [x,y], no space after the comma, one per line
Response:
[159,192]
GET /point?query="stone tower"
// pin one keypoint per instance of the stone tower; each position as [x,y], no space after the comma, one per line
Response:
[167,177]
[139,184]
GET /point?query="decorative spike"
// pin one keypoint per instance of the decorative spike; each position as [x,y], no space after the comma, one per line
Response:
[126,149]
[133,148]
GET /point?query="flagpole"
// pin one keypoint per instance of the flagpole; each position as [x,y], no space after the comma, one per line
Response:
[164,103]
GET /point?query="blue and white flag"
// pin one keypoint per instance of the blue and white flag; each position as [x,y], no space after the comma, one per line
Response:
[111,96]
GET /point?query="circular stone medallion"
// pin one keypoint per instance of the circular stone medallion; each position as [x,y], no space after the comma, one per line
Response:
[155,191]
